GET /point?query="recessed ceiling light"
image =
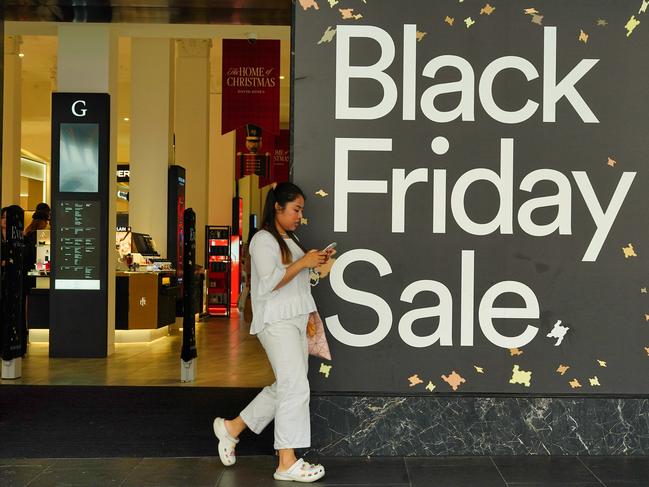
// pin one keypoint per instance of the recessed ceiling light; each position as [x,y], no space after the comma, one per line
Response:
[126,119]
[282,77]
[21,55]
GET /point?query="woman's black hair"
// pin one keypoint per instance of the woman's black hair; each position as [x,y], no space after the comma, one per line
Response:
[42,212]
[282,194]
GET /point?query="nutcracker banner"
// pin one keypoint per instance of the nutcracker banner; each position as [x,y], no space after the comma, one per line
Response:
[274,149]
[250,84]
[255,156]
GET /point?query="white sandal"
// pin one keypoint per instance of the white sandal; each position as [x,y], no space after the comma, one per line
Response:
[227,443]
[301,471]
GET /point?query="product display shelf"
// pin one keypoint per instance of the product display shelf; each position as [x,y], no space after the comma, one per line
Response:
[218,265]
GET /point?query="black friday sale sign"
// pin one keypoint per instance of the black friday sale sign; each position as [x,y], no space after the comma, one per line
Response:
[482,167]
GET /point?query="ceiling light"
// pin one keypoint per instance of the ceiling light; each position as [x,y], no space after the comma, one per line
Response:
[126,119]
[282,77]
[21,54]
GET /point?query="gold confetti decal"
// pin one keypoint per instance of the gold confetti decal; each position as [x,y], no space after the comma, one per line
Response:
[643,7]
[601,363]
[333,3]
[420,35]
[629,251]
[304,221]
[594,381]
[646,350]
[449,20]
[414,380]
[562,369]
[479,370]
[646,317]
[574,383]
[430,386]
[348,14]
[322,193]
[611,162]
[643,290]
[515,352]
[583,37]
[537,19]
[325,369]
[307,4]
[530,11]
[454,380]
[601,23]
[469,22]
[519,376]
[487,10]
[328,35]
[631,25]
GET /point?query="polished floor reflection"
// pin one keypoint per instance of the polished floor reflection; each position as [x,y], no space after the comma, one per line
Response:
[228,356]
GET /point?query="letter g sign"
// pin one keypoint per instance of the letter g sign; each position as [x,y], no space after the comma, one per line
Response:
[79,112]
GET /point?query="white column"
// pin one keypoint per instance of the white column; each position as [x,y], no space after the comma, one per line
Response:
[192,128]
[12,117]
[151,74]
[222,151]
[87,63]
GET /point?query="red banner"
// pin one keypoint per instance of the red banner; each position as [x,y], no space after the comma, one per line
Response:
[281,157]
[268,150]
[250,84]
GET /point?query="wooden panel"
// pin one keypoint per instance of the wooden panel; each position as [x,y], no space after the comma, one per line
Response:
[142,301]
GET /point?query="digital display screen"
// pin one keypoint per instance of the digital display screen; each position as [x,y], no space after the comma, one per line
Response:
[78,246]
[79,158]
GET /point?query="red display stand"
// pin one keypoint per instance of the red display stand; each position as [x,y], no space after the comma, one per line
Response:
[218,256]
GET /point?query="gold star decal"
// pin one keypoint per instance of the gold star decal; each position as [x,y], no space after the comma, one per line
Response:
[487,10]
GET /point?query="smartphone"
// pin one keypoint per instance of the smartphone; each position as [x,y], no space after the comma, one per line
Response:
[331,246]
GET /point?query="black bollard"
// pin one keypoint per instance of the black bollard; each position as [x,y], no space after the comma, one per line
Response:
[188,352]
[13,329]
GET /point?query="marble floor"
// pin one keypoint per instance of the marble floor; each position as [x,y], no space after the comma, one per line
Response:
[378,471]
[228,356]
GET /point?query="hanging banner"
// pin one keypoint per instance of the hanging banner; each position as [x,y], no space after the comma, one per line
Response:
[281,157]
[254,150]
[257,153]
[483,170]
[250,84]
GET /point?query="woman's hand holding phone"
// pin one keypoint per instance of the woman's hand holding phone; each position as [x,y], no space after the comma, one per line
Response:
[314,258]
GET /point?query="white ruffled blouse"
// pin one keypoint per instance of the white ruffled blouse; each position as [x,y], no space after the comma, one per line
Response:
[269,304]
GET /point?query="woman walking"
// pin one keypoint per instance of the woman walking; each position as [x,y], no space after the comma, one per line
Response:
[281,303]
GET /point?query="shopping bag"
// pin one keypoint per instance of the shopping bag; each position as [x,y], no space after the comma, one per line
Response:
[316,338]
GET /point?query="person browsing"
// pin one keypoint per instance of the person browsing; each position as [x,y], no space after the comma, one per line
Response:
[281,303]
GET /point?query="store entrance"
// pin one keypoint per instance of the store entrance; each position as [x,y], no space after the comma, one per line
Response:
[146,201]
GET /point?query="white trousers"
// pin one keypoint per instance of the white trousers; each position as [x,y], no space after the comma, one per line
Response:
[287,399]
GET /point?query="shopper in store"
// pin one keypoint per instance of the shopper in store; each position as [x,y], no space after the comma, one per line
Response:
[281,302]
[40,221]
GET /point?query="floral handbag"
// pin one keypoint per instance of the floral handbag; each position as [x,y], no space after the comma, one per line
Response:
[316,338]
